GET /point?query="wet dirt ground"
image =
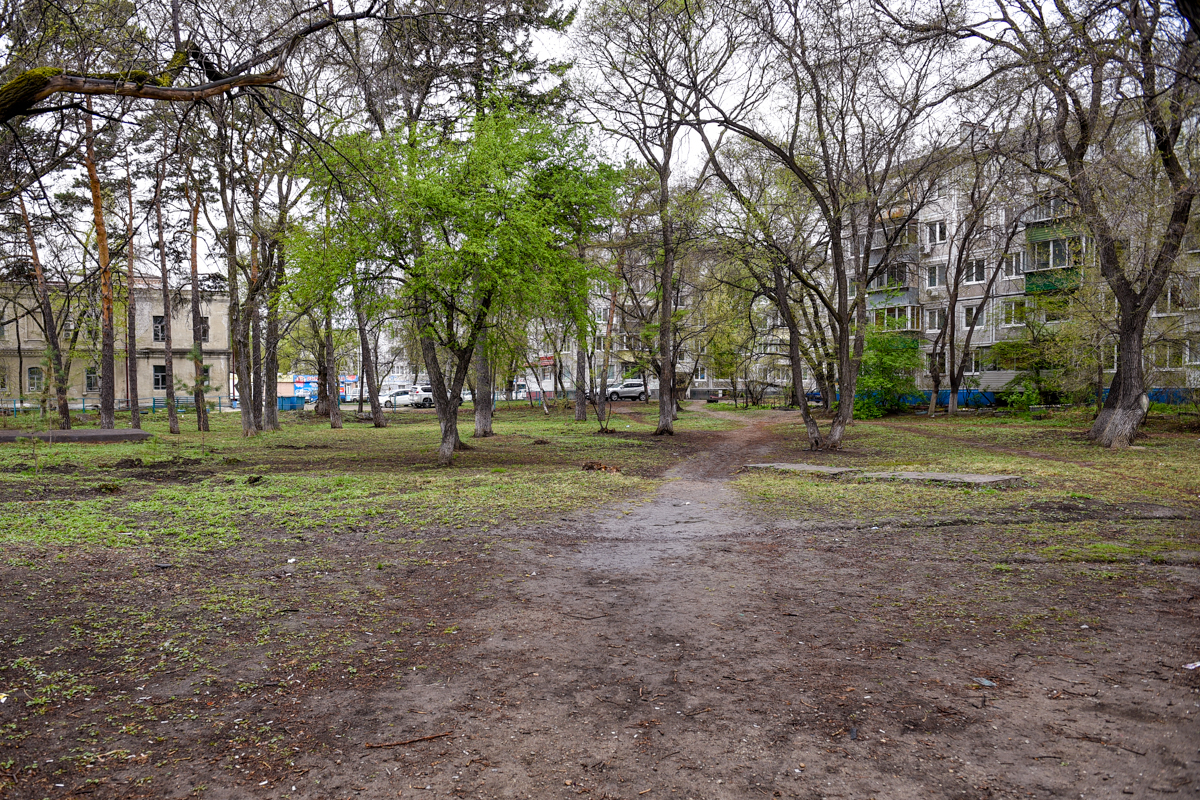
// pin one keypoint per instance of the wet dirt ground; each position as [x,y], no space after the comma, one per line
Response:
[684,647]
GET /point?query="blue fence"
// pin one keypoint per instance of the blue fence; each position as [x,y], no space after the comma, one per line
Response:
[967,398]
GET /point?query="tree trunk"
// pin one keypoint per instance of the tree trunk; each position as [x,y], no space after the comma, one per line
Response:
[935,378]
[108,376]
[271,349]
[797,363]
[239,318]
[321,409]
[49,324]
[335,393]
[1127,403]
[849,357]
[200,384]
[444,402]
[169,360]
[255,314]
[581,377]
[952,400]
[795,359]
[483,389]
[131,381]
[666,339]
[368,364]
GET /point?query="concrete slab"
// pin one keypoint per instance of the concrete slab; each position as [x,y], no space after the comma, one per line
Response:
[948,478]
[82,435]
[815,469]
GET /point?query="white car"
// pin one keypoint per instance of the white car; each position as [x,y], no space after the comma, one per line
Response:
[398,399]
[421,396]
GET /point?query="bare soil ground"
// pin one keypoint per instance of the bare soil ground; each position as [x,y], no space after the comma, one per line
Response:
[685,645]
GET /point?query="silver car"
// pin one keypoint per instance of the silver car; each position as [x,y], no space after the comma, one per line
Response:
[628,390]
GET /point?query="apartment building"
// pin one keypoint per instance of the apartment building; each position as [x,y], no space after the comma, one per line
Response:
[25,373]
[1024,274]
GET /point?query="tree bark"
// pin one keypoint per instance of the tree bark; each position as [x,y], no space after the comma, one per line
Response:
[169,360]
[271,348]
[239,322]
[321,408]
[49,324]
[131,381]
[368,363]
[107,335]
[335,388]
[484,381]
[255,314]
[200,385]
[1125,409]
[581,381]
[445,403]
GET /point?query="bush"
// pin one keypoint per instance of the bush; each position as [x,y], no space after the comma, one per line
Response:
[889,366]
[1022,400]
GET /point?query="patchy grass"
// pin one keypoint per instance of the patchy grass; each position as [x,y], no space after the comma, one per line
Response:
[1078,503]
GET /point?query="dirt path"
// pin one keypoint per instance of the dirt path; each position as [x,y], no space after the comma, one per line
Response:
[683,648]
[679,646]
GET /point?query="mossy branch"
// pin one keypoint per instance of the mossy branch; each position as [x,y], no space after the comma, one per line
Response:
[19,96]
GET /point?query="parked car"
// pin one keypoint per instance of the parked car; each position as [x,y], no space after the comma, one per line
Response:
[398,399]
[421,396]
[628,390]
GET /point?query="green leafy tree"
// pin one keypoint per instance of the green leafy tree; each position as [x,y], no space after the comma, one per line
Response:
[888,373]
[464,226]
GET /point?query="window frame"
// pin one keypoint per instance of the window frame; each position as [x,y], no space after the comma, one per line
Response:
[1009,318]
[976,271]
[937,232]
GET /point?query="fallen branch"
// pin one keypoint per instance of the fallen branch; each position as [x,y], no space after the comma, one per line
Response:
[410,741]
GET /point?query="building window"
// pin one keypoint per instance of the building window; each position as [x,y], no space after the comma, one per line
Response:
[937,232]
[935,319]
[937,361]
[160,377]
[160,329]
[1108,354]
[891,275]
[899,318]
[36,380]
[973,315]
[1013,312]
[91,380]
[974,363]
[1055,310]
[976,270]
[1178,295]
[1055,254]
[1050,208]
[204,329]
[1193,352]
[1168,355]
[1014,264]
[701,372]
[935,275]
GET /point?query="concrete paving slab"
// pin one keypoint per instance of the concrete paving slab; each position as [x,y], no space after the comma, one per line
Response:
[948,478]
[83,435]
[816,469]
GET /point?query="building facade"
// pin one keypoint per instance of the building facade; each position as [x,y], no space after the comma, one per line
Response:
[25,373]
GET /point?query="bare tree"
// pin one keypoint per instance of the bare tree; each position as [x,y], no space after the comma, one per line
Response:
[842,106]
